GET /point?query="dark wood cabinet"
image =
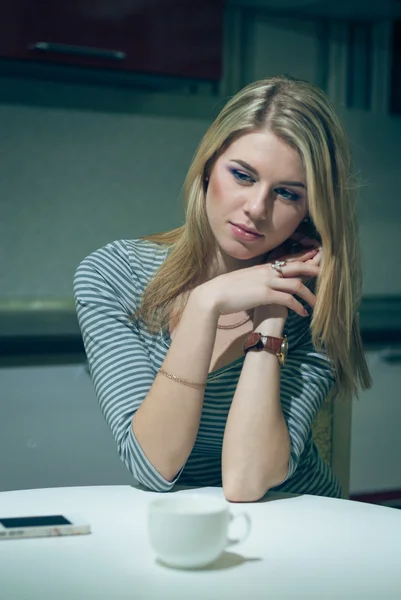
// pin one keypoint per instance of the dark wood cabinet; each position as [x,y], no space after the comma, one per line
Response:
[161,37]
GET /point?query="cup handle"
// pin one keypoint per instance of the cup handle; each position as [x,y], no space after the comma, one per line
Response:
[245,517]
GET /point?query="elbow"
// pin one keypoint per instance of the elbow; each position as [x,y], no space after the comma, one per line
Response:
[242,495]
[143,472]
[150,480]
[146,476]
[245,491]
[154,488]
[237,490]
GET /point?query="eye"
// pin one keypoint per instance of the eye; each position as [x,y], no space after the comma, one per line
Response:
[242,177]
[287,195]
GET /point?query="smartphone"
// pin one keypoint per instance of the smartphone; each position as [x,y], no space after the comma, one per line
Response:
[42,526]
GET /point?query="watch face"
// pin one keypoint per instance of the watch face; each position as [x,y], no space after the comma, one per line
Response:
[283,351]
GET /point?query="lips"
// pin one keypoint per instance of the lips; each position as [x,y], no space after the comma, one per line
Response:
[244,233]
[247,229]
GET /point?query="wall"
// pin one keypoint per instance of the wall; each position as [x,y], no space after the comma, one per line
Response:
[376,144]
[74,179]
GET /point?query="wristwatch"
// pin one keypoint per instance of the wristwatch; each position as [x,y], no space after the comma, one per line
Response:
[275,345]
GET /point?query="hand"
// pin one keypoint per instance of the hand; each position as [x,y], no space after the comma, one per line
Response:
[261,285]
[280,253]
[278,313]
[270,320]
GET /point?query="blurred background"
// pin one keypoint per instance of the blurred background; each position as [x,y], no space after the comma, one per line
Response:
[102,105]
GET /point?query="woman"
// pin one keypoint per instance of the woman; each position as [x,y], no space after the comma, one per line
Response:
[186,332]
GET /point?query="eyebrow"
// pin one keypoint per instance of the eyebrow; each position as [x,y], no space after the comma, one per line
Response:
[256,174]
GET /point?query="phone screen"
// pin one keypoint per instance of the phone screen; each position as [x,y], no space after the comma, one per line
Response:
[52,520]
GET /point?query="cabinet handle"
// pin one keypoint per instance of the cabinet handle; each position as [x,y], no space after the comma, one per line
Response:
[78,50]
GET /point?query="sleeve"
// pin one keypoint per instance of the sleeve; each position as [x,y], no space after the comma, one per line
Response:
[119,363]
[307,378]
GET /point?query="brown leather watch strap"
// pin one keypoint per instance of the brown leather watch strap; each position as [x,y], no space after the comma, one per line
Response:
[257,341]
[275,345]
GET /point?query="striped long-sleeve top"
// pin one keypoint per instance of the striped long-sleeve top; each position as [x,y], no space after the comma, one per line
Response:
[124,359]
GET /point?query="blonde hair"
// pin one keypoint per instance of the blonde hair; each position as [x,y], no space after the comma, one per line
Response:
[301,115]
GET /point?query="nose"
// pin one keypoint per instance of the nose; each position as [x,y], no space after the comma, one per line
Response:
[256,207]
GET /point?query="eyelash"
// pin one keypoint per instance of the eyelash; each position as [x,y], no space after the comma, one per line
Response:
[241,176]
[292,196]
[245,179]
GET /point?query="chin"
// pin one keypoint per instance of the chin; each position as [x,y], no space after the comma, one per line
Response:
[237,251]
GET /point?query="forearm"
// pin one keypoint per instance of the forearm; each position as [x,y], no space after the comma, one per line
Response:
[256,446]
[167,422]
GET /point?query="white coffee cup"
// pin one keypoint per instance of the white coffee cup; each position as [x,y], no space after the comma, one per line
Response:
[191,530]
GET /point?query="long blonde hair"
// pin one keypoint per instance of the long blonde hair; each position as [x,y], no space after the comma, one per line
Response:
[301,115]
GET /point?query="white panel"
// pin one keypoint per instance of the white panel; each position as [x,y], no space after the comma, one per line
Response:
[52,432]
[376,422]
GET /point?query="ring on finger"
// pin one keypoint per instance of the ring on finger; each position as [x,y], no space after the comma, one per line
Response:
[277,266]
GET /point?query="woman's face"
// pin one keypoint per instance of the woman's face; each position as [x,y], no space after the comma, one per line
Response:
[257,185]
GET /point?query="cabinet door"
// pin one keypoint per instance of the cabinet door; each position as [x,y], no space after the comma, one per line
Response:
[165,37]
[52,431]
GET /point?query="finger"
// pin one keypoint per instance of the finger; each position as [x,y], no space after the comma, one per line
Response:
[293,286]
[287,300]
[303,255]
[297,268]
[280,254]
[312,256]
[315,260]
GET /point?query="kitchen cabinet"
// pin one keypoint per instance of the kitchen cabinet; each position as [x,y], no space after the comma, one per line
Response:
[160,37]
[376,420]
[52,431]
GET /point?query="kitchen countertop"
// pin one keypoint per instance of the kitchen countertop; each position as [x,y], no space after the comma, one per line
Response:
[43,330]
[39,332]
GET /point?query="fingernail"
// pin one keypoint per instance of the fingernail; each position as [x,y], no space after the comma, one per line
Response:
[306,314]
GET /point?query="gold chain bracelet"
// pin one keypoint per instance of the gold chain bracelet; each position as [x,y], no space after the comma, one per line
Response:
[193,384]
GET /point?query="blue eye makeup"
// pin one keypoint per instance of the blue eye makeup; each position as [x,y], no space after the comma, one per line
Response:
[240,176]
[244,178]
[287,195]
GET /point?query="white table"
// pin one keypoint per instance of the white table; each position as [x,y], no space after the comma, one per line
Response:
[301,547]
